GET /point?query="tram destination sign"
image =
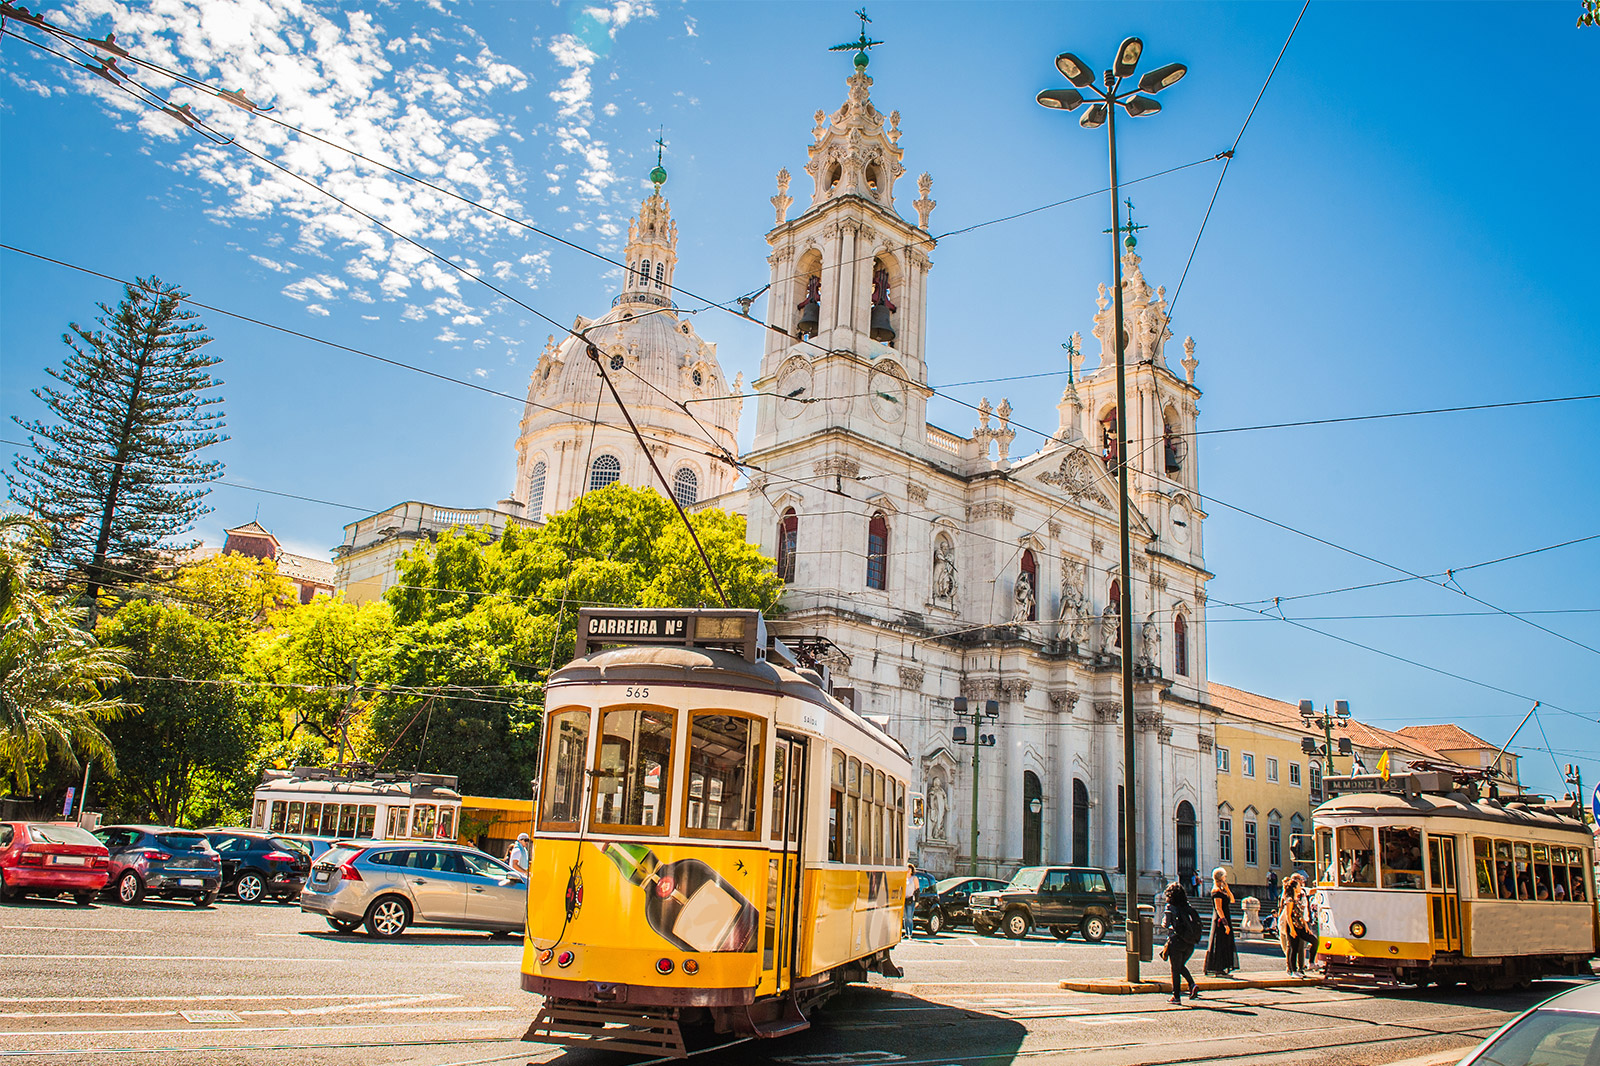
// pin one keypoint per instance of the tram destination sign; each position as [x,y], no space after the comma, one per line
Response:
[744,631]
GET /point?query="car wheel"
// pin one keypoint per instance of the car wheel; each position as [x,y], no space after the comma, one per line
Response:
[1094,929]
[130,888]
[1061,932]
[388,917]
[339,926]
[250,887]
[1016,924]
[206,899]
[83,898]
[935,922]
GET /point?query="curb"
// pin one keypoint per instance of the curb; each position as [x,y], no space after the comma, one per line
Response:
[1205,984]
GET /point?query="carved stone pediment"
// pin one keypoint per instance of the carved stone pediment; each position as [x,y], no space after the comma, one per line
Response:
[1077,477]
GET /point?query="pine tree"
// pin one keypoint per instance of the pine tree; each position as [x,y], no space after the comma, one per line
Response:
[118,476]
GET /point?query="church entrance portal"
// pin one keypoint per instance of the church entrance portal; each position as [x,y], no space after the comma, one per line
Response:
[1032,818]
[1187,859]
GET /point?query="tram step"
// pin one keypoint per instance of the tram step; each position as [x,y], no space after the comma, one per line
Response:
[609,1028]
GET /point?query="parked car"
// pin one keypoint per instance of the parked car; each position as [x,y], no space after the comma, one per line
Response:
[945,906]
[1564,1028]
[41,859]
[159,860]
[1062,899]
[389,887]
[257,865]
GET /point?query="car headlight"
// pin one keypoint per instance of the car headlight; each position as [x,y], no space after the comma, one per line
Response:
[1358,929]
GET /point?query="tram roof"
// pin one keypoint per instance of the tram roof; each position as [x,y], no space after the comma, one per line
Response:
[1454,805]
[712,668]
[325,783]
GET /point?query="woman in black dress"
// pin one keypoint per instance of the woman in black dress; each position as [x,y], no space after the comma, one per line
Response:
[1222,957]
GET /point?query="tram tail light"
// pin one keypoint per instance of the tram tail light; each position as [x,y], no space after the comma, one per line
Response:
[545,956]
[663,966]
[564,959]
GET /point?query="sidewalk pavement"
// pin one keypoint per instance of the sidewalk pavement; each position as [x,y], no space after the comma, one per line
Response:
[1205,984]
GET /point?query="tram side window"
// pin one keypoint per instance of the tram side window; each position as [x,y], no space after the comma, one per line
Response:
[632,778]
[564,766]
[368,821]
[424,818]
[314,817]
[1356,868]
[397,822]
[347,820]
[1558,874]
[1505,878]
[874,783]
[852,807]
[447,823]
[1402,856]
[276,824]
[1578,874]
[1541,872]
[1483,860]
[1524,864]
[297,814]
[724,768]
[258,817]
[780,777]
[836,810]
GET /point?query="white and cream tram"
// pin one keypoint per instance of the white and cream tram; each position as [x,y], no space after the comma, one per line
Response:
[314,804]
[721,843]
[1421,881]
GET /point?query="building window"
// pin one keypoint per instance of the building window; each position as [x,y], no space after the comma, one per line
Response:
[1250,842]
[1272,769]
[1114,601]
[660,270]
[1180,646]
[1030,569]
[877,553]
[1274,843]
[1222,761]
[617,361]
[644,272]
[1294,774]
[685,486]
[788,534]
[1080,823]
[698,378]
[1316,782]
[1224,839]
[536,490]
[607,470]
[1247,763]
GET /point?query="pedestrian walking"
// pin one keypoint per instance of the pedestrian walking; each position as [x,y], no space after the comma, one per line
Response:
[1312,897]
[1272,888]
[518,859]
[913,889]
[1222,953]
[1293,934]
[1182,924]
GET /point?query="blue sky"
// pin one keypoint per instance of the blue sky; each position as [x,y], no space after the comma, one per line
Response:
[1409,223]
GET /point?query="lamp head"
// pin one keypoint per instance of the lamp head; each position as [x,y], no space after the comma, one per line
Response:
[1140,106]
[1162,77]
[1307,709]
[1093,118]
[959,704]
[1128,53]
[1341,708]
[991,708]
[1061,99]
[1074,70]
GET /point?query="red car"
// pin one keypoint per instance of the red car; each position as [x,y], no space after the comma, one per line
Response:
[48,860]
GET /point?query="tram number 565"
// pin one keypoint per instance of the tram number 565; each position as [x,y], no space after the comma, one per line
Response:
[637,692]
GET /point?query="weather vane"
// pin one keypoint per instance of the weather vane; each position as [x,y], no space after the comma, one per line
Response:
[658,176]
[1130,229]
[1071,345]
[860,46]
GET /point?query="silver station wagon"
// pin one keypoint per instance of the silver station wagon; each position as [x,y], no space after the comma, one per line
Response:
[390,886]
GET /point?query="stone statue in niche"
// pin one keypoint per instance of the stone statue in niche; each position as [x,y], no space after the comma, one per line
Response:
[944,570]
[1074,604]
[1109,622]
[1150,643]
[938,810]
[1023,599]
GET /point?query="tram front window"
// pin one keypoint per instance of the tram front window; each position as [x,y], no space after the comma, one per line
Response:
[1356,868]
[725,765]
[631,782]
[1402,856]
[1325,867]
[564,766]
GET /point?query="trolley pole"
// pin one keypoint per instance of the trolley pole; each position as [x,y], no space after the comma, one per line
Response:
[978,741]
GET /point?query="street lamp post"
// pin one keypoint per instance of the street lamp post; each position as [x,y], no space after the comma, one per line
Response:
[1325,722]
[980,740]
[1104,112]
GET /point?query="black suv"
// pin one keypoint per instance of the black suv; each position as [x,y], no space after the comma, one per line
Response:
[1060,898]
[946,905]
[257,866]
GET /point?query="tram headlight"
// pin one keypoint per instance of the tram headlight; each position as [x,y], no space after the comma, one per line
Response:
[1358,929]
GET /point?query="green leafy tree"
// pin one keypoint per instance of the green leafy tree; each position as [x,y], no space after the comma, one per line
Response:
[53,674]
[312,656]
[1590,13]
[117,475]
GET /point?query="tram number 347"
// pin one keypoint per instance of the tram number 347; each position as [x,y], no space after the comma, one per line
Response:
[637,692]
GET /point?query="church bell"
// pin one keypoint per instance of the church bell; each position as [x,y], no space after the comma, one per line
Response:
[882,327]
[807,326]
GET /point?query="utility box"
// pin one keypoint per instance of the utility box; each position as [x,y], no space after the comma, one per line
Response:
[1147,932]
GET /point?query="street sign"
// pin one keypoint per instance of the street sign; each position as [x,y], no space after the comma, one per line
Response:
[1594,803]
[66,807]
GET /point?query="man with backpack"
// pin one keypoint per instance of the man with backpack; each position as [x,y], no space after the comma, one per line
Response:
[1182,925]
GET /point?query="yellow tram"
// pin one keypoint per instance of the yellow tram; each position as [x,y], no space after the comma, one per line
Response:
[719,843]
[1421,880]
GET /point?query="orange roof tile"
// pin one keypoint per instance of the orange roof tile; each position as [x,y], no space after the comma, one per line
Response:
[1257,707]
[1450,737]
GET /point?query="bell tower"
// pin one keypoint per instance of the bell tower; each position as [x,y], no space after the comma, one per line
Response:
[848,290]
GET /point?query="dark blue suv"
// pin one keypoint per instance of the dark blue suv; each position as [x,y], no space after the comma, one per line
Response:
[157,860]
[258,866]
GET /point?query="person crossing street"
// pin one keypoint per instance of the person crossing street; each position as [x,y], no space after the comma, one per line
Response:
[1182,925]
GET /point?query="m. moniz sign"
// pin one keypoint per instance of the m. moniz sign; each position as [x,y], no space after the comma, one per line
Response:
[741,631]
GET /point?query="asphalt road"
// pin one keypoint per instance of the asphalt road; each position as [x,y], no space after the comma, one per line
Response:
[265,984]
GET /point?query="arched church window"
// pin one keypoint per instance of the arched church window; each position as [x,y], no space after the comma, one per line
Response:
[698,378]
[1180,646]
[835,172]
[661,269]
[685,486]
[1174,448]
[872,179]
[536,490]
[616,361]
[1030,570]
[1080,823]
[644,271]
[788,537]
[1110,450]
[1114,602]
[606,470]
[878,552]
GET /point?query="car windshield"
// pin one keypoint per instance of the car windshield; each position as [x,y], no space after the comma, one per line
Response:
[1548,1038]
[188,841]
[1028,878]
[951,882]
[61,834]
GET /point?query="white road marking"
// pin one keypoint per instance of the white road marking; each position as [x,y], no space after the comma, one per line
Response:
[187,1031]
[175,958]
[298,996]
[74,929]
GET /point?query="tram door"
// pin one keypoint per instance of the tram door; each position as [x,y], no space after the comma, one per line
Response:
[783,868]
[1444,900]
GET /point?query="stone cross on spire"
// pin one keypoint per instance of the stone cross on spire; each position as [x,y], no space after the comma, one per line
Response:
[1130,242]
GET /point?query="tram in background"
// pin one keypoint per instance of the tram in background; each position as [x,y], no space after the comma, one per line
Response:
[723,841]
[1422,880]
[317,806]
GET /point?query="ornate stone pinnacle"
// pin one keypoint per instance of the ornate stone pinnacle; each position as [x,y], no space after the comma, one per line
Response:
[1189,361]
[781,202]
